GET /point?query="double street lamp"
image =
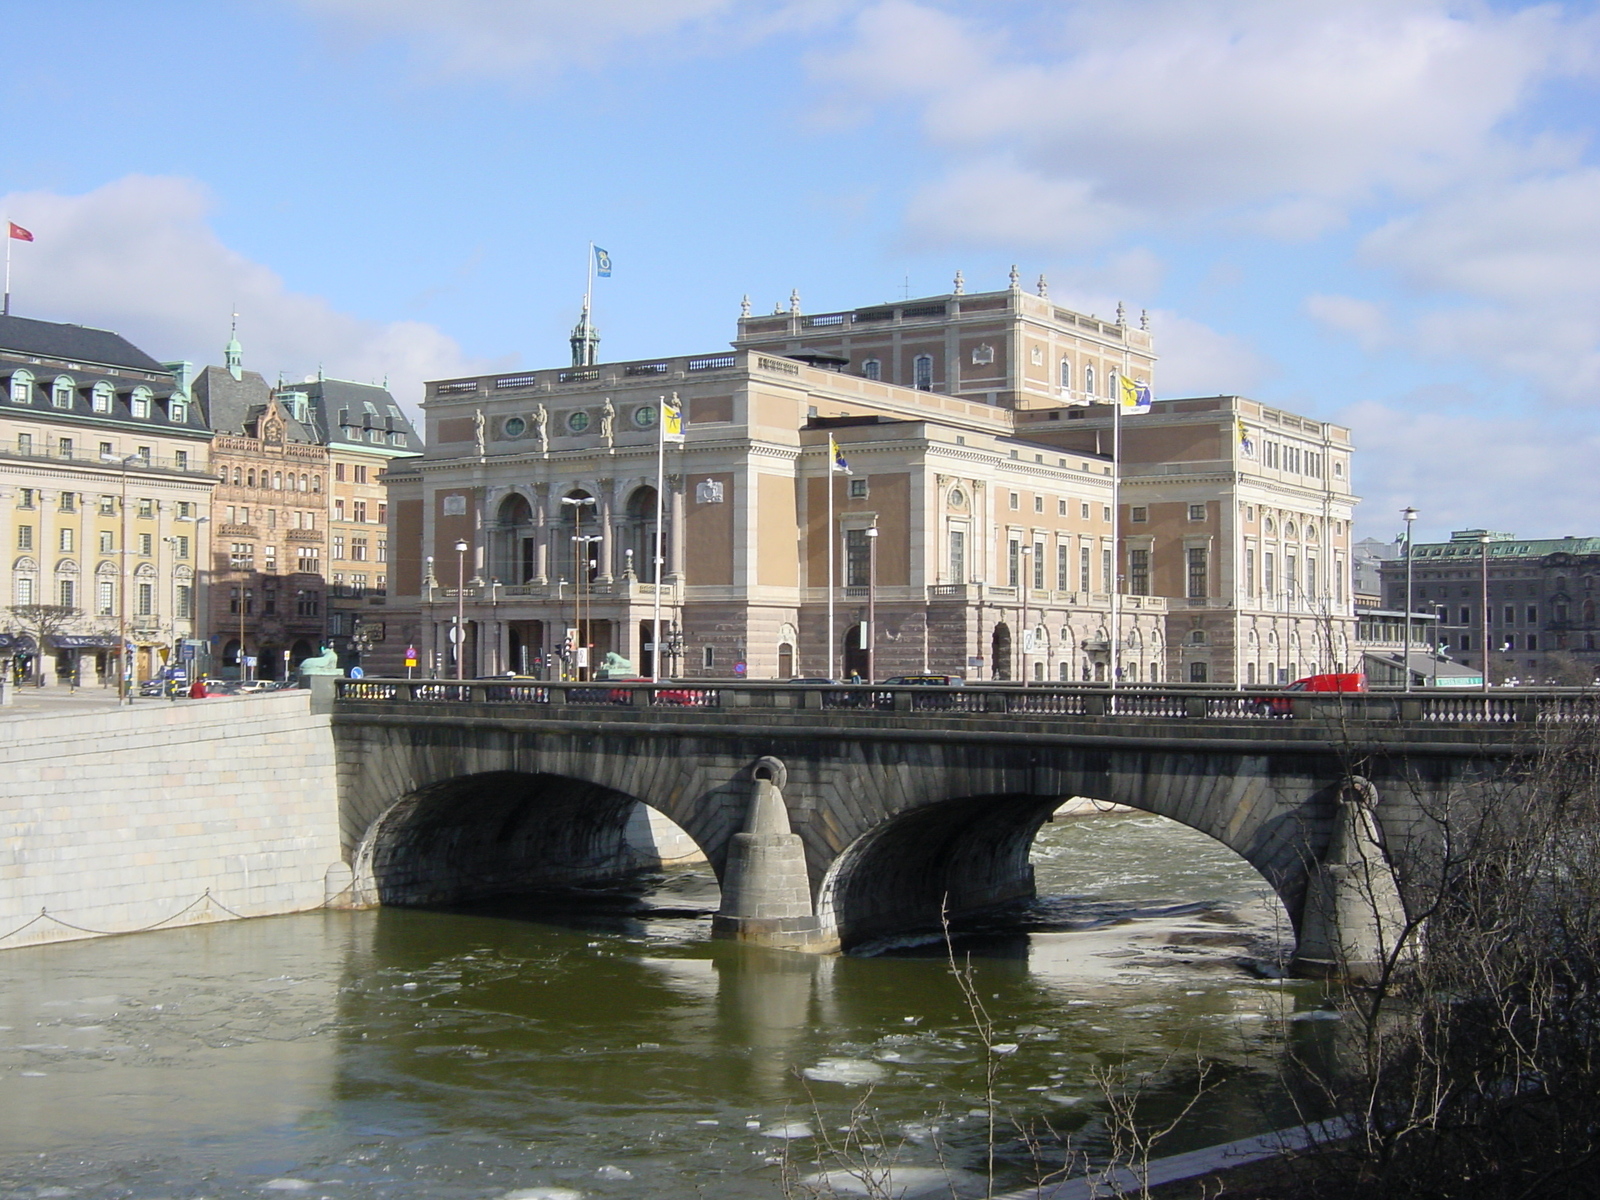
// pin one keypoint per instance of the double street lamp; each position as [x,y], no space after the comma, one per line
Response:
[461,610]
[132,460]
[1410,515]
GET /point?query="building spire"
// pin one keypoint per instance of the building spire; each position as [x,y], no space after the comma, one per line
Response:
[585,340]
[233,355]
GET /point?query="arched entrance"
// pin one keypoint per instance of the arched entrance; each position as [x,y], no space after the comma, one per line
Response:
[511,550]
[855,655]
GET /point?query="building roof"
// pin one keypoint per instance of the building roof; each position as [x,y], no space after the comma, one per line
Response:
[73,343]
[1465,546]
[235,405]
[345,413]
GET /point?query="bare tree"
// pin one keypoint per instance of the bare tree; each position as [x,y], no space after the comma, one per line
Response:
[42,621]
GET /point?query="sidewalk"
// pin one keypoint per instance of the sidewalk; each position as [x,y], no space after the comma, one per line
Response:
[56,698]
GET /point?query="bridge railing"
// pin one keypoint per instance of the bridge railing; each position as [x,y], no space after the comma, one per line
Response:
[1505,706]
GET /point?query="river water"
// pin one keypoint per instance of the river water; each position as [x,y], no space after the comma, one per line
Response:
[606,1046]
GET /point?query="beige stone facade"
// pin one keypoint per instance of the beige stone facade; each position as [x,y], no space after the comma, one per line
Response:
[978,455]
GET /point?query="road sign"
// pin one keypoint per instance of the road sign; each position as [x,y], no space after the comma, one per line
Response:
[357,673]
[738,668]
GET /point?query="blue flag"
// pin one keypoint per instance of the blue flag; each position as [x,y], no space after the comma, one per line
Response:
[602,263]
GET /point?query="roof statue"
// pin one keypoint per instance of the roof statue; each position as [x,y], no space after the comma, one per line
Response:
[960,287]
[1016,279]
[1044,286]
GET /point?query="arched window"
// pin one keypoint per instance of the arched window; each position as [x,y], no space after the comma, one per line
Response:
[139,405]
[61,391]
[277,481]
[102,397]
[512,550]
[250,479]
[305,484]
[316,484]
[1066,376]
[236,477]
[922,371]
[22,387]
[1088,381]
[872,369]
[640,535]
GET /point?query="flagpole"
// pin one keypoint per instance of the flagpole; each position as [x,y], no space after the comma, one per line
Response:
[1116,532]
[828,540]
[7,309]
[661,482]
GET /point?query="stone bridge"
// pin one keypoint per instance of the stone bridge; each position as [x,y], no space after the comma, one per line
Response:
[833,816]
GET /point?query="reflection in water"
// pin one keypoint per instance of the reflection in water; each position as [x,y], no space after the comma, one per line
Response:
[570,1041]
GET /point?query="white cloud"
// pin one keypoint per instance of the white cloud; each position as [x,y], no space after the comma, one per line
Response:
[1197,360]
[138,256]
[1471,469]
[1363,320]
[997,204]
[1289,112]
[513,38]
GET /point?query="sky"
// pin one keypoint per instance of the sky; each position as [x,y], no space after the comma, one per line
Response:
[1385,215]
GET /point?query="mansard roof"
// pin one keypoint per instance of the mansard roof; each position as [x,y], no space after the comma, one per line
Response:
[73,344]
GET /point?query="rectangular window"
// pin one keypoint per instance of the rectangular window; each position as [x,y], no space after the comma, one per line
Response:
[1533,614]
[24,443]
[1038,566]
[1063,568]
[24,537]
[269,602]
[338,510]
[361,474]
[1016,501]
[1249,573]
[1061,508]
[1138,514]
[108,541]
[1311,576]
[1197,672]
[144,453]
[180,459]
[180,546]
[1083,510]
[1533,641]
[185,602]
[105,598]
[146,545]
[310,560]
[185,510]
[1197,512]
[64,447]
[147,508]
[24,590]
[358,508]
[1107,583]
[338,550]
[242,556]
[383,513]
[69,502]
[1269,581]
[1013,563]
[1466,615]
[1105,513]
[858,491]
[269,559]
[1196,557]
[1291,577]
[25,497]
[67,593]
[1139,572]
[958,555]
[338,472]
[1511,614]
[64,540]
[708,657]
[857,557]
[1038,504]
[383,551]
[308,604]
[358,549]
[145,603]
[1083,569]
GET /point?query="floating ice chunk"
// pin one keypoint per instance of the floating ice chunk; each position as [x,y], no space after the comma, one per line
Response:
[752,1124]
[409,986]
[610,1172]
[899,1183]
[34,1074]
[789,1130]
[1058,1098]
[920,1133]
[543,1193]
[54,1193]
[850,1071]
[1004,1047]
[1318,1014]
[1031,1030]
[287,1185]
[709,1122]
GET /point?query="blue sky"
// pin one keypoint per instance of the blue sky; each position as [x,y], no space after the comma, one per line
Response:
[1381,214]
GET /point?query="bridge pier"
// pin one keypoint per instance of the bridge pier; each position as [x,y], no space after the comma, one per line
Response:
[766,892]
[1353,913]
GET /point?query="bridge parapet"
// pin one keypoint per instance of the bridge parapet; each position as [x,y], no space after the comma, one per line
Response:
[1502,707]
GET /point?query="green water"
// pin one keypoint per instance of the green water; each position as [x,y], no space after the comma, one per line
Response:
[613,1049]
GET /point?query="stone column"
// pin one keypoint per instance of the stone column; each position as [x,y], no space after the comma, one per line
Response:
[603,572]
[1353,911]
[502,647]
[541,535]
[766,893]
[672,511]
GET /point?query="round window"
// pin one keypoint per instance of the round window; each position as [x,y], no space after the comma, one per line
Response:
[578,421]
[958,498]
[515,427]
[645,416]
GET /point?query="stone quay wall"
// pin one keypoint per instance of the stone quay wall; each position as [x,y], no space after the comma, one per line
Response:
[166,814]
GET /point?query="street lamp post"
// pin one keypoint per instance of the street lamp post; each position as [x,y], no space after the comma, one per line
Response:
[1410,515]
[577,504]
[582,565]
[1024,580]
[1484,543]
[123,695]
[872,602]
[461,610]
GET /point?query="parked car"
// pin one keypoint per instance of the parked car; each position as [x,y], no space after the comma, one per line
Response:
[1280,704]
[924,681]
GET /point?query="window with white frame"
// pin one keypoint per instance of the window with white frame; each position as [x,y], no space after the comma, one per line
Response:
[61,391]
[1066,376]
[22,387]
[100,399]
[139,404]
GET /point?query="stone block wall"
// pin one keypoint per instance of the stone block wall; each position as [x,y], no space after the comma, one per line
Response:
[180,813]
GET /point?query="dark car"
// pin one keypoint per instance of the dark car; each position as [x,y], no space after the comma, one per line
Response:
[924,681]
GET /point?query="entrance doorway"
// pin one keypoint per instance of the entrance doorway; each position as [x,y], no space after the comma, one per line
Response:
[855,655]
[1000,651]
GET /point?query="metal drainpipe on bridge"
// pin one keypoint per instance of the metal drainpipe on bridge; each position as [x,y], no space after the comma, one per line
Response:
[766,893]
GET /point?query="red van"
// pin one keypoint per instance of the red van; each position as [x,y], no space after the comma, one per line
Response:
[1280,705]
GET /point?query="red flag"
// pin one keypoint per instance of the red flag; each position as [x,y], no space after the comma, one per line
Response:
[18,232]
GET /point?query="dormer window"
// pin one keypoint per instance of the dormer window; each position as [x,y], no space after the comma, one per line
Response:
[61,391]
[101,398]
[177,411]
[139,403]
[21,387]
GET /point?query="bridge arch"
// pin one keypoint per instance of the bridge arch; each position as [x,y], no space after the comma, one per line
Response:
[497,833]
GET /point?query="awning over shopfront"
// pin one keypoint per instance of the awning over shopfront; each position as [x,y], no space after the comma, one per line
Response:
[17,643]
[72,641]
